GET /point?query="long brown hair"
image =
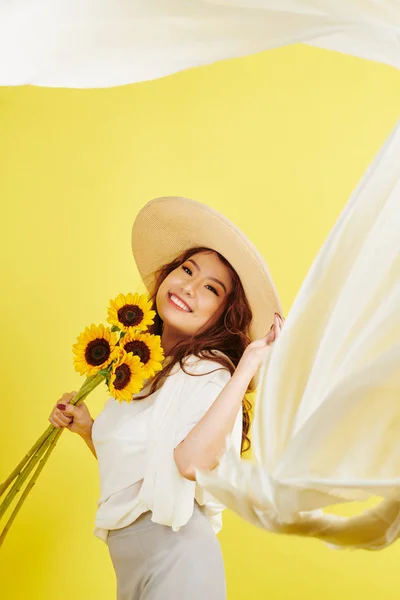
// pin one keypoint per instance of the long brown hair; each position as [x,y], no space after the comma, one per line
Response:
[229,334]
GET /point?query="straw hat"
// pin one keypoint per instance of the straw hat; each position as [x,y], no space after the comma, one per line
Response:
[166,227]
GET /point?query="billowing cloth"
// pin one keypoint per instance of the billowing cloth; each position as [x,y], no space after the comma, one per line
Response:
[103,43]
[327,417]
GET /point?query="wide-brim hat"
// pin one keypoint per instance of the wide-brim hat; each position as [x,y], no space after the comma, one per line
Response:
[166,227]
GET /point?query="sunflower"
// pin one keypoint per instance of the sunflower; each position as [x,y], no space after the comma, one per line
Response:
[148,348]
[95,349]
[131,312]
[127,376]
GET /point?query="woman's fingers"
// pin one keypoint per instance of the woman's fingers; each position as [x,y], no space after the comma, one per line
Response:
[59,421]
[64,419]
[281,319]
[275,330]
[57,418]
[273,333]
[55,421]
[66,397]
[268,338]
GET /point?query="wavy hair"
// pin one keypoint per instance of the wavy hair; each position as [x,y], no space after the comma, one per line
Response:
[228,335]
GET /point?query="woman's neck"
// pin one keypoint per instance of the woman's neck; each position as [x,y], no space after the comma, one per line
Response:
[169,339]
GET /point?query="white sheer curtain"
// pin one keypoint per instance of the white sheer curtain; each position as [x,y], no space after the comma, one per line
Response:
[103,43]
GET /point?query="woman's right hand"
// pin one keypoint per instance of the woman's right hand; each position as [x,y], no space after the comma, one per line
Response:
[255,352]
[75,418]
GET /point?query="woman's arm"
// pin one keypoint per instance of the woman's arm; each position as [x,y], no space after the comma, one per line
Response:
[88,439]
[75,418]
[205,444]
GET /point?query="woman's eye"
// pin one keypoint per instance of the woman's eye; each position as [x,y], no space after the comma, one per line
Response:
[187,270]
[210,287]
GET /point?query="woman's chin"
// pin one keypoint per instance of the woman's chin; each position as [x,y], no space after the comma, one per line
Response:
[175,322]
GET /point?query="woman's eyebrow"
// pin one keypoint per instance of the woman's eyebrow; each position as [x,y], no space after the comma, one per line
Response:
[212,278]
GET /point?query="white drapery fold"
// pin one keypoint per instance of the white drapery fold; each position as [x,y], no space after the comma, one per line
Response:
[327,417]
[103,43]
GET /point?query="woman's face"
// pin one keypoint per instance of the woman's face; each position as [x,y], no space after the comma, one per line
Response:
[193,296]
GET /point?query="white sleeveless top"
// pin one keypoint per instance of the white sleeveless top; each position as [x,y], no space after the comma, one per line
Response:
[126,436]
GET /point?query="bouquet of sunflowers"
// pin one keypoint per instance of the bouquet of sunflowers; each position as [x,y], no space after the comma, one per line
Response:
[123,356]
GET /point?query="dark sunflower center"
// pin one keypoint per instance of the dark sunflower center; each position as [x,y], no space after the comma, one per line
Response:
[130,315]
[97,352]
[139,349]
[122,376]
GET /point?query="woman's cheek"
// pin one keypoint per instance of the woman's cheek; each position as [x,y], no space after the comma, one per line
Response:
[210,307]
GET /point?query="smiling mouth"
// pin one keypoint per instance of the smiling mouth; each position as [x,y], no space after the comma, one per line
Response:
[179,303]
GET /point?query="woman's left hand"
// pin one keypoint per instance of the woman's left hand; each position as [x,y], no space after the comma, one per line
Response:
[275,330]
[255,352]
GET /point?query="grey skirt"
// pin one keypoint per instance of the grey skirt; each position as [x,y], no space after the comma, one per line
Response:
[152,562]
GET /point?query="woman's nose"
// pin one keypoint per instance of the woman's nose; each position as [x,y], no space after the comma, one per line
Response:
[188,289]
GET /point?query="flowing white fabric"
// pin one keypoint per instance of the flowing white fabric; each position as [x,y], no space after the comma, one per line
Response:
[327,418]
[104,43]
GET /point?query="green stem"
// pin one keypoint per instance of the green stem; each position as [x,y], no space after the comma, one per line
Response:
[87,385]
[22,477]
[83,392]
[29,486]
[26,458]
[90,384]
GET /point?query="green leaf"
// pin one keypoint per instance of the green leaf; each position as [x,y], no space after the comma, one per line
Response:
[104,372]
[114,328]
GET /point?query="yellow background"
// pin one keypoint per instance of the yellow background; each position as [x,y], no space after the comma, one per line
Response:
[277,142]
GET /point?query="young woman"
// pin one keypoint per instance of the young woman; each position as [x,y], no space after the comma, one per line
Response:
[214,302]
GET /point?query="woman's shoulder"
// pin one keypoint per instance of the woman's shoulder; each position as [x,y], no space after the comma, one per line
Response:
[209,368]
